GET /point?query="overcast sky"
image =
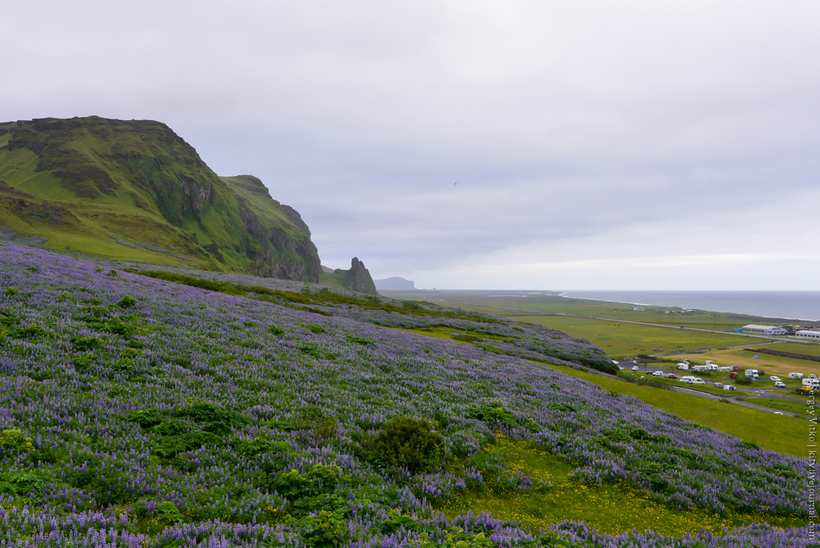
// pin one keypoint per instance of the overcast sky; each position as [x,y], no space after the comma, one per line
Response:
[573,144]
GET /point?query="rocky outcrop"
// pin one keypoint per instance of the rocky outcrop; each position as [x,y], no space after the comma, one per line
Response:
[358,278]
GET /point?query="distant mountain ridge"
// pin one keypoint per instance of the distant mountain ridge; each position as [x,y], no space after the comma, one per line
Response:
[395,284]
[135,190]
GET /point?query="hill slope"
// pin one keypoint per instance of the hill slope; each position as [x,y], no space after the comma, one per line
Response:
[122,423]
[135,190]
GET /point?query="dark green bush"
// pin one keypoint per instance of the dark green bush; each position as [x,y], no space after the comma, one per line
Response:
[170,446]
[83,344]
[106,486]
[411,443]
[7,319]
[493,412]
[208,413]
[325,530]
[30,332]
[359,340]
[322,427]
[147,417]
[317,479]
[21,483]
[127,302]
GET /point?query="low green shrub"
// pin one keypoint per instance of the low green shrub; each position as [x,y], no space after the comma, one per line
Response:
[410,443]
[127,302]
[21,483]
[83,344]
[15,441]
[318,425]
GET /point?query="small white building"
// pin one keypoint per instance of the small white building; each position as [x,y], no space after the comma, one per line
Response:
[764,329]
[808,334]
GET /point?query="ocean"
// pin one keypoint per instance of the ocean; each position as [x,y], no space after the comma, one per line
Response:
[796,305]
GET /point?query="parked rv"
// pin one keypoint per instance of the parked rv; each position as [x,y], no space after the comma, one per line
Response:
[683,366]
[690,379]
[729,387]
[797,376]
[812,382]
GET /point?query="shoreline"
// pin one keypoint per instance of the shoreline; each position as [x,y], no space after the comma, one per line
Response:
[567,295]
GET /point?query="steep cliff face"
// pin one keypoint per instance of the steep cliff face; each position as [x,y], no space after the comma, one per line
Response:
[136,190]
[282,255]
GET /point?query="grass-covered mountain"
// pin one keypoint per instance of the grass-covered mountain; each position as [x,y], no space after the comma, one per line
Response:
[148,408]
[134,190]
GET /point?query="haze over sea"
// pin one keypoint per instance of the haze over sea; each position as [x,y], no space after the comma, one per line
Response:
[797,305]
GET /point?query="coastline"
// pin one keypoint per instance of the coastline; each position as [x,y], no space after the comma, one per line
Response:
[745,303]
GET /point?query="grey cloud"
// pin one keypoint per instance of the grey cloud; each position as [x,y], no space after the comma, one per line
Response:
[575,129]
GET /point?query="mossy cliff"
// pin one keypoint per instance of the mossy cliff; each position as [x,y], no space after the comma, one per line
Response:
[135,190]
[357,278]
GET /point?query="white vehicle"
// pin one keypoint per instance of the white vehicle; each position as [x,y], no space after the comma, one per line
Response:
[812,382]
[752,373]
[729,387]
[774,378]
[683,366]
[780,384]
[701,368]
[634,368]
[690,379]
[709,362]
[797,376]
[725,369]
[657,374]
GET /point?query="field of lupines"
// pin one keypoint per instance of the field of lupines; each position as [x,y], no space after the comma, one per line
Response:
[138,412]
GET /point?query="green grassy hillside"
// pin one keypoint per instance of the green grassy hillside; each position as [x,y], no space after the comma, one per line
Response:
[134,190]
